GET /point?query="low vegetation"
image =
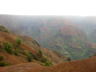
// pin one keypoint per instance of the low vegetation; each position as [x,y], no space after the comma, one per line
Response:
[47,63]
[35,57]
[19,41]
[3,63]
[16,52]
[1,58]
[0,44]
[3,29]
[8,47]
[25,52]
[40,53]
[29,57]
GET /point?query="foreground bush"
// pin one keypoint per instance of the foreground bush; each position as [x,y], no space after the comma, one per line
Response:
[30,58]
[3,63]
[40,52]
[16,52]
[8,47]
[1,58]
[19,41]
[47,63]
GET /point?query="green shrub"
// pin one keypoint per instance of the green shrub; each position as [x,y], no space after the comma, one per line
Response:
[8,47]
[47,63]
[16,52]
[19,41]
[1,58]
[3,63]
[40,53]
[25,52]
[30,58]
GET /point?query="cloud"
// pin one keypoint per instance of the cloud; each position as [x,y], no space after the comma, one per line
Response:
[48,7]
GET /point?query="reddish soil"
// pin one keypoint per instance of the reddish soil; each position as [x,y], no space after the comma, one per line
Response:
[76,45]
[69,30]
[8,37]
[12,59]
[20,67]
[91,45]
[86,65]
[56,22]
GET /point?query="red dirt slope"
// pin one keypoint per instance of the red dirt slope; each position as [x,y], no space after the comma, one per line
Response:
[33,44]
[86,65]
[12,59]
[20,67]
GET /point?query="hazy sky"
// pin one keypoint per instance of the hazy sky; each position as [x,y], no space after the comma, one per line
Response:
[48,7]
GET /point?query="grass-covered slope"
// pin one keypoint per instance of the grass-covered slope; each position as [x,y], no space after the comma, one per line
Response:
[70,41]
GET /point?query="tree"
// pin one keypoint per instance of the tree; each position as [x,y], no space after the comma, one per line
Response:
[19,41]
[8,47]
